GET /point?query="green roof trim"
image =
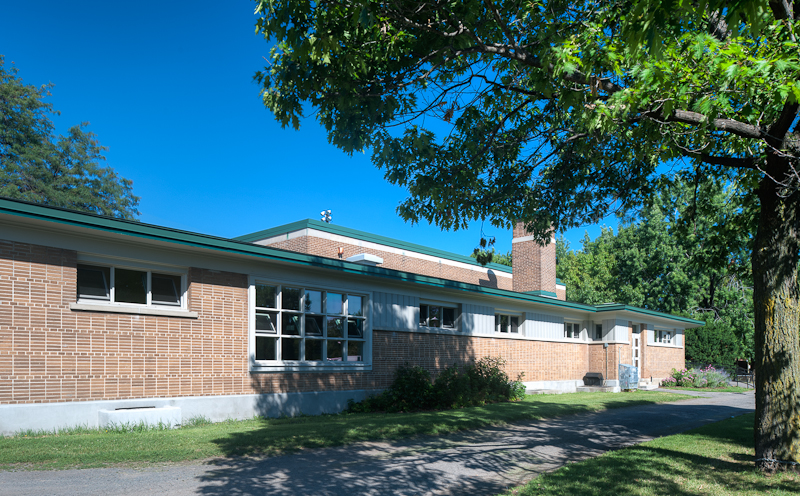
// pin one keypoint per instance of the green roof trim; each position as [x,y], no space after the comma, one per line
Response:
[365,236]
[541,292]
[558,281]
[617,307]
[112,225]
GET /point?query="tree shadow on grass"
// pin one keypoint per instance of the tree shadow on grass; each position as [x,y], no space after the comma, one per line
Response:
[479,462]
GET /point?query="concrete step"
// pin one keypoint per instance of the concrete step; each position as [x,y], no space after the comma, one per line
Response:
[543,391]
[648,386]
[597,389]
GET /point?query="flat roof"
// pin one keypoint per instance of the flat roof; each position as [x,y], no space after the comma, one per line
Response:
[365,236]
[63,216]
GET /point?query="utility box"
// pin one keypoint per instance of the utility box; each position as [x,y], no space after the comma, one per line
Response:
[628,376]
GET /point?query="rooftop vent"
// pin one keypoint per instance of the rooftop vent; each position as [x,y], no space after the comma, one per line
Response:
[365,259]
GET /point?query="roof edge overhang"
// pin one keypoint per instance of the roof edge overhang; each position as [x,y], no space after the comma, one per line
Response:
[65,217]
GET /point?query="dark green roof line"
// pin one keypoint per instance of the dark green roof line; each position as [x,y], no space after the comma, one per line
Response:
[149,231]
[541,292]
[617,307]
[365,236]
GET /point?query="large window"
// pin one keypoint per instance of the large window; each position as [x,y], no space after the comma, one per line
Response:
[663,336]
[443,317]
[129,286]
[572,330]
[295,324]
[506,323]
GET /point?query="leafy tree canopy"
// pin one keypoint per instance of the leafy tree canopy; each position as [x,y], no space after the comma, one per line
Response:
[61,171]
[557,112]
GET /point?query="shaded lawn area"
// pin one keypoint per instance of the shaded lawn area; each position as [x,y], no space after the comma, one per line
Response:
[265,437]
[716,459]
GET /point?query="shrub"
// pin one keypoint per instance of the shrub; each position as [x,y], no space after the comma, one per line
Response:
[477,384]
[705,377]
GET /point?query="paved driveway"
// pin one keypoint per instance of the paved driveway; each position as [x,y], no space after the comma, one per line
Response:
[482,462]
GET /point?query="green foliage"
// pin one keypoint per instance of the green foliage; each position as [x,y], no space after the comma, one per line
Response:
[716,342]
[480,383]
[61,171]
[685,255]
[491,256]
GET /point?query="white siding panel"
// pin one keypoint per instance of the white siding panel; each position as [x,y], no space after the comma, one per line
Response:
[545,326]
[477,319]
[392,311]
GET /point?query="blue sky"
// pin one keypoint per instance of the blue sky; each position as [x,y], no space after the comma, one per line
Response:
[168,88]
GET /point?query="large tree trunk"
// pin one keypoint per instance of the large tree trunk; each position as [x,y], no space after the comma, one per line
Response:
[777,330]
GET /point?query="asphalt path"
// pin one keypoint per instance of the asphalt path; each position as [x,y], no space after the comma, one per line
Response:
[482,462]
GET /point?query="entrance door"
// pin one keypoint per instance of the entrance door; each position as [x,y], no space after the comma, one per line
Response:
[636,349]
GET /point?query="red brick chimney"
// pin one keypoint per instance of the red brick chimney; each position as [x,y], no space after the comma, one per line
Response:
[534,265]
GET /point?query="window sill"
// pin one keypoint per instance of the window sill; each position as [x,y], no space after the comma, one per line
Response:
[310,367]
[664,345]
[132,310]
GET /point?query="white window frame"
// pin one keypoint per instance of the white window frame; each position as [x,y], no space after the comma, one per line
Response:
[280,365]
[149,307]
[663,336]
[572,327]
[598,327]
[451,306]
[508,330]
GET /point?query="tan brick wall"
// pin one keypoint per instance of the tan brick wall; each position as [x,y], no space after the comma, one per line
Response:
[330,249]
[49,353]
[660,361]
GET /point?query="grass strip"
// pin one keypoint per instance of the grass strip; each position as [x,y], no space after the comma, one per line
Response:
[84,448]
[716,459]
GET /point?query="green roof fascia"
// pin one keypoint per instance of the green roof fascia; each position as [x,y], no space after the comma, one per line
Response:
[618,307]
[365,236]
[541,292]
[149,231]
[558,281]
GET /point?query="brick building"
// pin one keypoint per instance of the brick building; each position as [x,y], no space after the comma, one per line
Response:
[104,320]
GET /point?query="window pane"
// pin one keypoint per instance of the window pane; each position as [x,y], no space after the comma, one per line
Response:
[354,306]
[93,282]
[313,301]
[291,324]
[434,316]
[504,323]
[334,303]
[265,296]
[335,349]
[355,351]
[314,325]
[265,348]
[267,322]
[130,286]
[314,349]
[598,331]
[291,299]
[355,328]
[514,323]
[335,327]
[449,317]
[290,349]
[497,322]
[423,315]
[166,289]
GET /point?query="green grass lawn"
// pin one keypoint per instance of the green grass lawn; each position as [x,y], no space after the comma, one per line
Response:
[88,448]
[716,459]
[729,389]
